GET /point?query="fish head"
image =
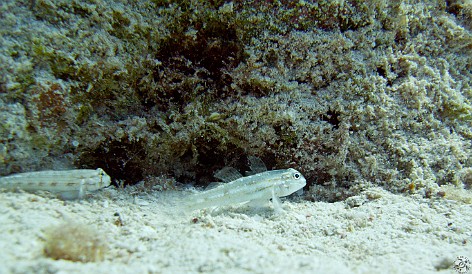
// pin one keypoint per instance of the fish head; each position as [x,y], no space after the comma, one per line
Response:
[291,181]
[104,179]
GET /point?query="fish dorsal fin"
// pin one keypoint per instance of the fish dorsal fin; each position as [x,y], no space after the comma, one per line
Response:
[228,174]
[256,165]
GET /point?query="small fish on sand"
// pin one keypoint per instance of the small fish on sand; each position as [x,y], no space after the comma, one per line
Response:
[259,187]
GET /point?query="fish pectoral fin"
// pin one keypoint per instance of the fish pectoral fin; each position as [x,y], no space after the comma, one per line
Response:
[257,203]
[71,194]
[299,192]
[276,202]
[228,174]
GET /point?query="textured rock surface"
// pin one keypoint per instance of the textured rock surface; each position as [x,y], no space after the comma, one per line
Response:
[351,93]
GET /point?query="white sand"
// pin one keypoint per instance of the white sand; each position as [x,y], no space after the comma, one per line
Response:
[384,234]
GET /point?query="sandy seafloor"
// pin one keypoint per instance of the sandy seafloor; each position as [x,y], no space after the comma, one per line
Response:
[377,232]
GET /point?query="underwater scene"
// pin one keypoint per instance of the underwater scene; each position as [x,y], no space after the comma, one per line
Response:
[277,136]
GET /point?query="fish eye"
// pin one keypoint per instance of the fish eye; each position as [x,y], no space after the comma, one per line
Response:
[296,176]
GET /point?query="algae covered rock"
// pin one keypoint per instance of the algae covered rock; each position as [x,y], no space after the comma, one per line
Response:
[351,93]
